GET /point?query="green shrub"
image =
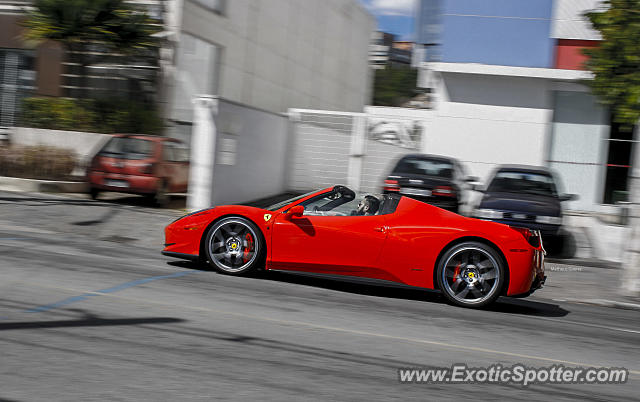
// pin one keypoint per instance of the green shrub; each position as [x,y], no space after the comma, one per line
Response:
[57,114]
[91,115]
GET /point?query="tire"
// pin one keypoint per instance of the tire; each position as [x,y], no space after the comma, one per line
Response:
[94,193]
[160,198]
[234,246]
[471,274]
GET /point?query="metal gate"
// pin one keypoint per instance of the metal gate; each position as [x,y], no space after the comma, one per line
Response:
[353,149]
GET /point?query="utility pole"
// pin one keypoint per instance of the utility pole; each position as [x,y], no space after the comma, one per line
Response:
[631,262]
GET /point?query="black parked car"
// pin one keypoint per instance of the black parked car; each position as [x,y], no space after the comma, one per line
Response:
[524,196]
[436,180]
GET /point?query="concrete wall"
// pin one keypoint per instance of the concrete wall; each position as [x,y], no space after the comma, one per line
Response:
[378,162]
[250,154]
[486,120]
[276,54]
[381,157]
[85,145]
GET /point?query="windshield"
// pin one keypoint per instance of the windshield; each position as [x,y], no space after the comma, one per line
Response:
[281,204]
[345,204]
[523,182]
[129,148]
[427,167]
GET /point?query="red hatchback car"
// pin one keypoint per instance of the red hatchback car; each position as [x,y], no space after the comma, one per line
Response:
[140,164]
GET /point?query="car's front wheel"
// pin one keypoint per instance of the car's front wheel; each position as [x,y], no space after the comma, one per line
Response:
[234,246]
[471,274]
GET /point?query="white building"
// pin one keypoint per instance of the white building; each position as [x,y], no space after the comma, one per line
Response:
[269,54]
[523,99]
[385,51]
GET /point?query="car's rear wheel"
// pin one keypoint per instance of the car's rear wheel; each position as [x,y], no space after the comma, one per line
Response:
[94,193]
[471,274]
[161,196]
[234,246]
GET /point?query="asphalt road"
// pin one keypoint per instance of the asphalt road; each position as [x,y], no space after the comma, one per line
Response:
[89,310]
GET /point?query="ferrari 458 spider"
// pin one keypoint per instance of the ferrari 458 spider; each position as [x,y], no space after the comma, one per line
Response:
[387,237]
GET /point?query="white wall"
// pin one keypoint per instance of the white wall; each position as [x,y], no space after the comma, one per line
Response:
[577,148]
[276,54]
[250,154]
[85,145]
[380,158]
[487,120]
[568,20]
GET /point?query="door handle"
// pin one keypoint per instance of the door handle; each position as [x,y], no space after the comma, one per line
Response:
[380,229]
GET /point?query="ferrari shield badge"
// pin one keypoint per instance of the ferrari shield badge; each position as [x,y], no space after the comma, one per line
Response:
[267,217]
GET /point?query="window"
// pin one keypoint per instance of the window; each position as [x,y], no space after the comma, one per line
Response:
[17,81]
[616,187]
[128,148]
[350,204]
[215,5]
[174,152]
[286,202]
[428,167]
[523,182]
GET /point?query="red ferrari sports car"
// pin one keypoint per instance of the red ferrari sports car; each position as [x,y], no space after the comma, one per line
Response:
[381,237]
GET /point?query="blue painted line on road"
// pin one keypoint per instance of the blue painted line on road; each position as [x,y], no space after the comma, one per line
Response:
[61,303]
[12,238]
[126,285]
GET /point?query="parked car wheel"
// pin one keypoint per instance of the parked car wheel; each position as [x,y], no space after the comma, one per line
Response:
[94,193]
[161,197]
[234,246]
[471,274]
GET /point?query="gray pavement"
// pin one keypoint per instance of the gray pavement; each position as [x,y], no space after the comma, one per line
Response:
[89,310]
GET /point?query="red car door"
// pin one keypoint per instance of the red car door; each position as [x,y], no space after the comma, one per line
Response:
[175,163]
[337,245]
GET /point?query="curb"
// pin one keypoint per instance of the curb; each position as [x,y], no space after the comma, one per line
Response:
[42,186]
[604,303]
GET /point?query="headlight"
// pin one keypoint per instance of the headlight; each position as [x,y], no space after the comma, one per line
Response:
[489,214]
[551,220]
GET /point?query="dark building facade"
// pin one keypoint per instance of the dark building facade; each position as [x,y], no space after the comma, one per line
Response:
[24,71]
[50,70]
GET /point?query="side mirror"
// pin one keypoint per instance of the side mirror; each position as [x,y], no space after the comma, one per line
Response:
[471,179]
[295,212]
[568,197]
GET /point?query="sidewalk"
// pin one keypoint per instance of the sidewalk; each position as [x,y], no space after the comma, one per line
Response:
[586,282]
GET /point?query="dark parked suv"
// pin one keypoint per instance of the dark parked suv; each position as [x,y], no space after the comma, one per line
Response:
[524,196]
[436,180]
